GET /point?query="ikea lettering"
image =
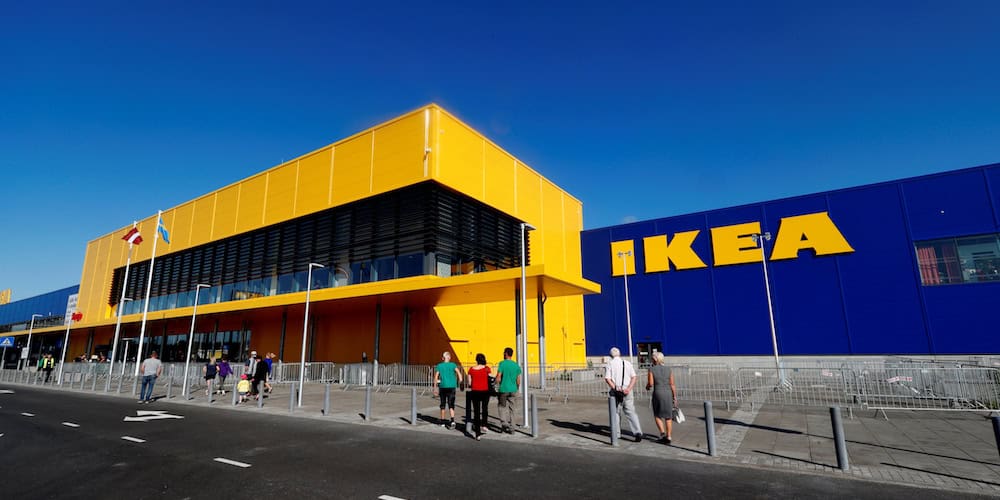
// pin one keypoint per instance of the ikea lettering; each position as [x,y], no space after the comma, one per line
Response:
[733,245]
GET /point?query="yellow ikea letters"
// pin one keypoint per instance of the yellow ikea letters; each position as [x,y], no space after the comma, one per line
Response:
[733,244]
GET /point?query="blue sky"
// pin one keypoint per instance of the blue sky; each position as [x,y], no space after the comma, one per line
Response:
[110,111]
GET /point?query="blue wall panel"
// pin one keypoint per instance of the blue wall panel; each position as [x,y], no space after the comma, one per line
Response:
[870,301]
[806,290]
[953,204]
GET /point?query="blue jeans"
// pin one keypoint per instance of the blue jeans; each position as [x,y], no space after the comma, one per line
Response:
[147,382]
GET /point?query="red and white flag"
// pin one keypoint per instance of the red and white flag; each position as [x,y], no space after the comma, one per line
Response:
[133,236]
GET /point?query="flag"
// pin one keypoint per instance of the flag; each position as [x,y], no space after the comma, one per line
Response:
[133,236]
[163,231]
[77,316]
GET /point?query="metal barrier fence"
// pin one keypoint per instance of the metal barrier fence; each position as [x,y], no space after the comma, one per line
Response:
[890,384]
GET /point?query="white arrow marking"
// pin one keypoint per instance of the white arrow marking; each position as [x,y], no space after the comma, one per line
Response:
[28,414]
[389,497]
[70,424]
[134,440]
[146,416]
[6,391]
[231,462]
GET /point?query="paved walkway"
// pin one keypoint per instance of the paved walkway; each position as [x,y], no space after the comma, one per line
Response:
[947,450]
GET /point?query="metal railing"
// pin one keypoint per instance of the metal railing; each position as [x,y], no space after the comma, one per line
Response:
[890,384]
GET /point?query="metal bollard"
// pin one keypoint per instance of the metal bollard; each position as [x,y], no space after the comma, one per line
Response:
[120,380]
[93,382]
[838,438]
[211,394]
[534,416]
[170,384]
[368,403]
[135,385]
[291,399]
[260,396]
[996,430]
[613,418]
[413,407]
[326,399]
[468,413]
[710,428]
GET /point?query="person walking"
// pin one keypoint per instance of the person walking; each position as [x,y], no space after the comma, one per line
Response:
[660,380]
[151,368]
[224,371]
[48,362]
[210,370]
[269,361]
[479,385]
[259,377]
[447,377]
[620,377]
[508,383]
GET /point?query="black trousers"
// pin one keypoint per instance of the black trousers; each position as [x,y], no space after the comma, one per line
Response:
[480,408]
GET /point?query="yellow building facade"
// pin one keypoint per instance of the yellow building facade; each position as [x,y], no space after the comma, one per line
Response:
[412,311]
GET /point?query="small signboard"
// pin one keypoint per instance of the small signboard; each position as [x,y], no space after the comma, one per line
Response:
[24,353]
[6,341]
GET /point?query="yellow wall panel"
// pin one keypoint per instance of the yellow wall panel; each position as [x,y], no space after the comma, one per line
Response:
[352,164]
[202,220]
[87,280]
[279,204]
[180,237]
[498,179]
[226,205]
[529,194]
[147,228]
[554,233]
[251,206]
[460,155]
[399,154]
[313,191]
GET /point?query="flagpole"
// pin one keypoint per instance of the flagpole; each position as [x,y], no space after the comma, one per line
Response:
[149,286]
[62,358]
[121,303]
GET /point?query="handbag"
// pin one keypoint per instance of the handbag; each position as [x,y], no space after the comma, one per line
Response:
[678,416]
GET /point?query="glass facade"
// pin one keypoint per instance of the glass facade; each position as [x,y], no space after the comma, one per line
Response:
[424,229]
[969,259]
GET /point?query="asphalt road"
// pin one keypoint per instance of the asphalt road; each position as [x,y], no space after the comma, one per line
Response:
[66,445]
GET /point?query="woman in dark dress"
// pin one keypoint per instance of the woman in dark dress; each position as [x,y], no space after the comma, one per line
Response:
[661,381]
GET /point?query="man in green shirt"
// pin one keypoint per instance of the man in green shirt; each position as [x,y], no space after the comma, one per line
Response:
[447,376]
[509,380]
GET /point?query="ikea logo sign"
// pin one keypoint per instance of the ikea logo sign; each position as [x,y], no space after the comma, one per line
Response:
[735,244]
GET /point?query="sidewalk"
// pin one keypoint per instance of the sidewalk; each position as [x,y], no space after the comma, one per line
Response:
[946,450]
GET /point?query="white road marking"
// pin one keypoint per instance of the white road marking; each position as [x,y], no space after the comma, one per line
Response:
[6,391]
[147,415]
[26,414]
[70,424]
[389,497]
[134,440]
[1,435]
[231,462]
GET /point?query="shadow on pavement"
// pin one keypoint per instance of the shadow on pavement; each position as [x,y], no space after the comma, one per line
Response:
[941,474]
[728,421]
[775,455]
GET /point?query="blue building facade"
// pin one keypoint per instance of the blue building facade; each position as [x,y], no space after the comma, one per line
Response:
[16,316]
[903,267]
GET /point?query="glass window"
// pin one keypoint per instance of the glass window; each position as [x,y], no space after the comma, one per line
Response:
[410,265]
[341,276]
[383,269]
[360,272]
[286,282]
[969,259]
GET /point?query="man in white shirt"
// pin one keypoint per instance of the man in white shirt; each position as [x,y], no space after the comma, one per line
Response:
[151,369]
[621,377]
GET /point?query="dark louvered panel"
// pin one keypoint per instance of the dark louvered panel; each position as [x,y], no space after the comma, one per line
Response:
[378,236]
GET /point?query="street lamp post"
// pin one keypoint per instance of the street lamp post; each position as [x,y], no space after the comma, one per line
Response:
[525,227]
[628,309]
[30,328]
[187,359]
[759,239]
[305,325]
[114,346]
